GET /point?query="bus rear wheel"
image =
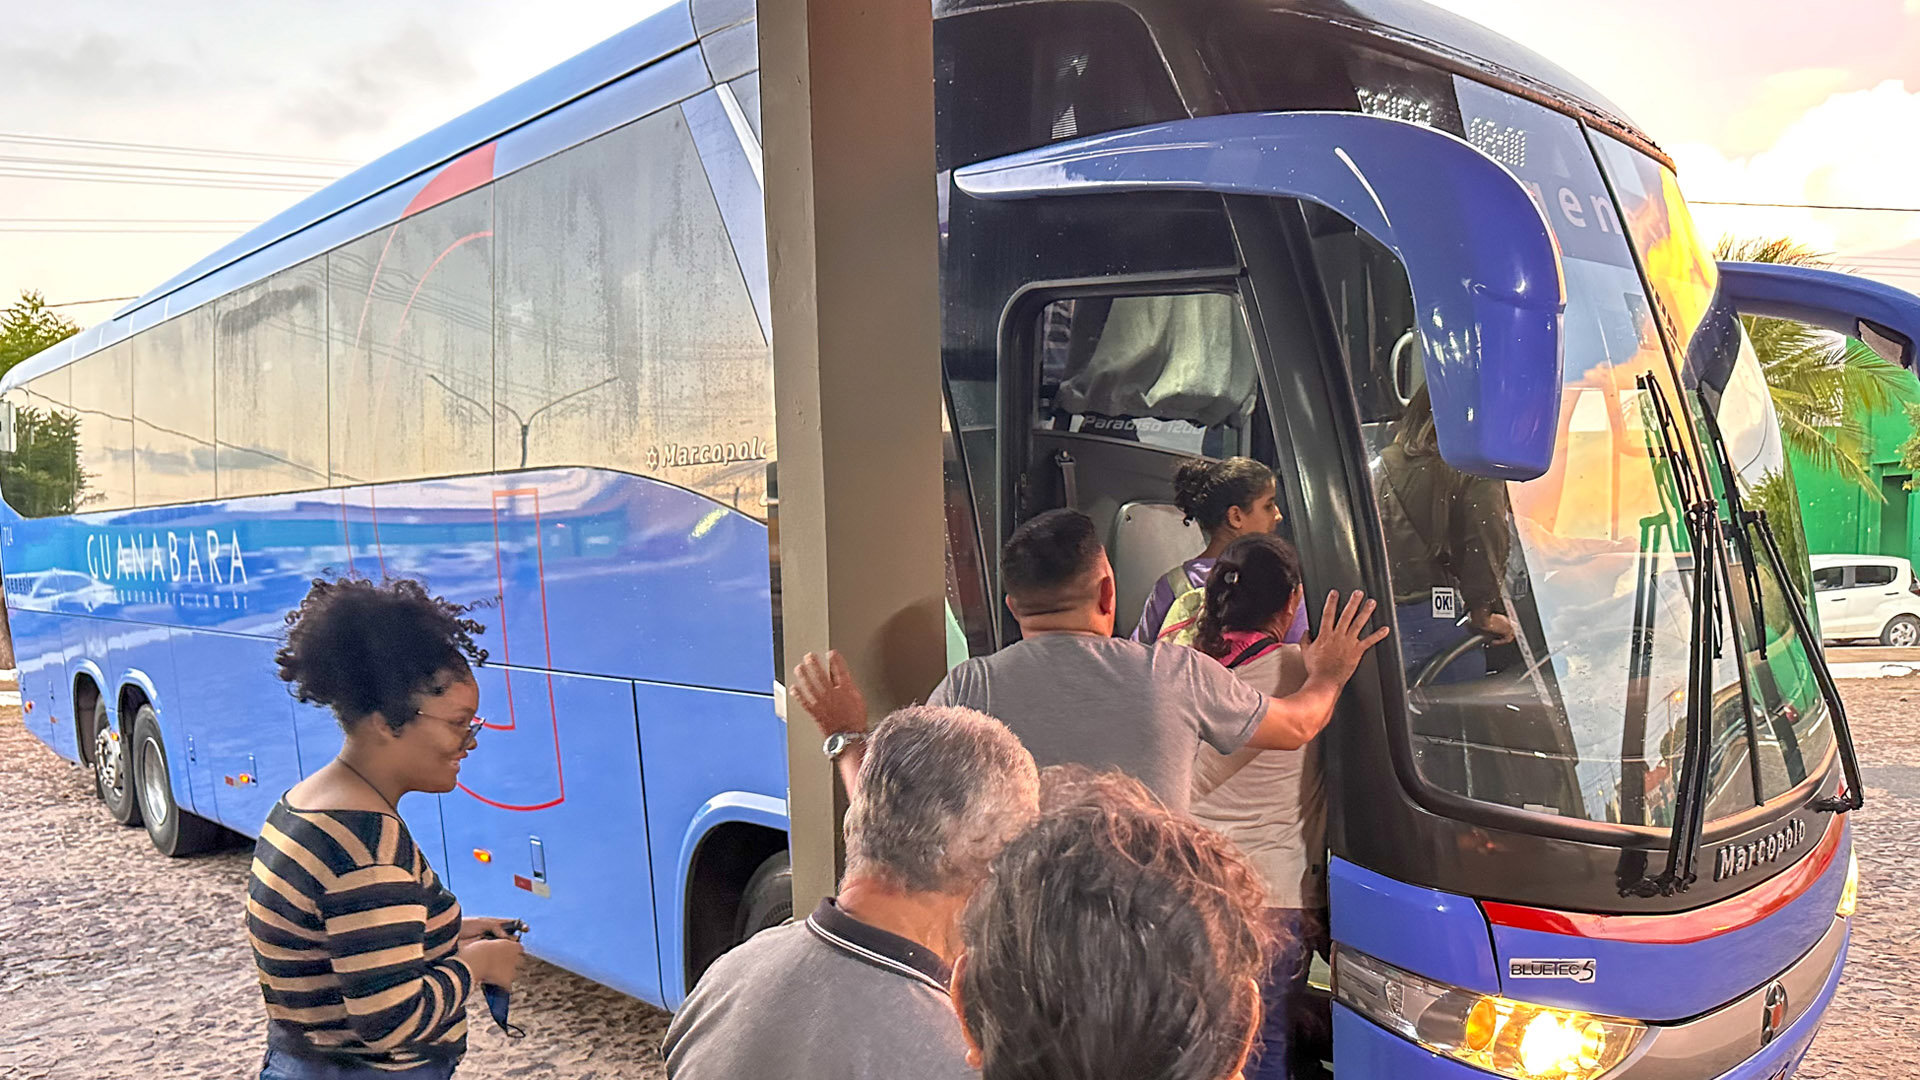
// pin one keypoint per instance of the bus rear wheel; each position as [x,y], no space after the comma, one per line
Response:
[112,767]
[174,832]
[768,899]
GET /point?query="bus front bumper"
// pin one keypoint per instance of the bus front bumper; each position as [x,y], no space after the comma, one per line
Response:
[1728,1043]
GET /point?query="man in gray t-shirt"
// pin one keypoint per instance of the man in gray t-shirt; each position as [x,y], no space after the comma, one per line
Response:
[1109,703]
[1075,694]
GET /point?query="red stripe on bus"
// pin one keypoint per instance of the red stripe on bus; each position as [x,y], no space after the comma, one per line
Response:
[461,175]
[1683,927]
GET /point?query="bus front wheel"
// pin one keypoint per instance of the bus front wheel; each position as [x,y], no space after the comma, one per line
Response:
[768,899]
[113,767]
[174,832]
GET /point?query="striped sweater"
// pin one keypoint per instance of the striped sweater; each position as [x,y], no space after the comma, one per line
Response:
[354,936]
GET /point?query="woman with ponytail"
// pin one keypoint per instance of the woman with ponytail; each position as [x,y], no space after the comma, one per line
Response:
[1270,803]
[1228,499]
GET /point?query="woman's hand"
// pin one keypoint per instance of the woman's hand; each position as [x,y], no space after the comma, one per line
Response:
[493,961]
[828,693]
[476,928]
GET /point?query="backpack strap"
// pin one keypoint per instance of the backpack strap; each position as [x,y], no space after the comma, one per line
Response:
[1254,651]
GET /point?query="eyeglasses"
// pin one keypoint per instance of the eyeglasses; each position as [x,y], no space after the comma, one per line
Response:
[473,726]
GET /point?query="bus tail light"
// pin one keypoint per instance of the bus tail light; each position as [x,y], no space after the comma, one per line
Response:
[1500,1035]
[1850,892]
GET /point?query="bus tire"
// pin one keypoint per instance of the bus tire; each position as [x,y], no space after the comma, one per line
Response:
[174,832]
[1903,632]
[768,899]
[113,767]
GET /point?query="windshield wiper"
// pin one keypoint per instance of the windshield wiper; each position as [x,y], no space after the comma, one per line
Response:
[1802,626]
[1702,518]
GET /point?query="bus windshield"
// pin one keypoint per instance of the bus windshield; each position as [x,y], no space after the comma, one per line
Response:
[1543,626]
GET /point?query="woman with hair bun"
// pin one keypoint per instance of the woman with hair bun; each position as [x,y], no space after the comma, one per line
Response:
[365,962]
[1228,499]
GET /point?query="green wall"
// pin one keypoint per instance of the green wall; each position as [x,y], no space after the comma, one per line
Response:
[1843,520]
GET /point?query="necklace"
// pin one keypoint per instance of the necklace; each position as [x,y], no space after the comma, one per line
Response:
[348,765]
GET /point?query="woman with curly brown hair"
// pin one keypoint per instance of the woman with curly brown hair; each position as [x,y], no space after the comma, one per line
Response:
[1112,939]
[365,962]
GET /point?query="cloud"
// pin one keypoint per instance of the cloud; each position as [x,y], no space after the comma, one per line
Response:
[1852,149]
[96,65]
[375,84]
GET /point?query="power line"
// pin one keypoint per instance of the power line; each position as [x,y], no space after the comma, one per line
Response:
[125,221]
[1807,206]
[83,303]
[216,183]
[165,148]
[134,166]
[119,232]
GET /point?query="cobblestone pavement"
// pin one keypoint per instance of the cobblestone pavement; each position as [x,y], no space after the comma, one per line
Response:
[119,964]
[116,963]
[1874,1026]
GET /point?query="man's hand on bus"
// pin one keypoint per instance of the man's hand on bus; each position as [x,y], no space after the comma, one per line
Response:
[1292,721]
[827,691]
[1494,625]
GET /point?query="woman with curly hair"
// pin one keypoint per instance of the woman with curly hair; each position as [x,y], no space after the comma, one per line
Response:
[1228,499]
[1111,939]
[364,959]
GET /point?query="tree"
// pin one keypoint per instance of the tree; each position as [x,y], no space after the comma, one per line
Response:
[1823,388]
[30,326]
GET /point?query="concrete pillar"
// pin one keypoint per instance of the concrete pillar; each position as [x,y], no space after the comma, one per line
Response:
[852,239]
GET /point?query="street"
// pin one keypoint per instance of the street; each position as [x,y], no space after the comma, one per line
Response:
[116,963]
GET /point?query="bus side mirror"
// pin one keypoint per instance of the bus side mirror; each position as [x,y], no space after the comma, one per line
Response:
[1485,270]
[1885,319]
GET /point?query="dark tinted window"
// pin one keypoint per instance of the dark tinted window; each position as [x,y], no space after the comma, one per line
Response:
[103,399]
[1873,575]
[1828,578]
[39,459]
[173,451]
[270,365]
[411,354]
[1017,77]
[627,339]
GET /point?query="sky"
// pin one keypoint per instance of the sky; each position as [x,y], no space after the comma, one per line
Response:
[1756,101]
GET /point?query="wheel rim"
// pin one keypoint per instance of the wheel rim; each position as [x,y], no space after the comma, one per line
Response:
[106,761]
[1904,634]
[153,784]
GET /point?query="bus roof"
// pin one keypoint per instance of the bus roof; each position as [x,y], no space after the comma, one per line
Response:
[689,24]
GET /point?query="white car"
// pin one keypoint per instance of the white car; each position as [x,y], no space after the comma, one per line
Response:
[1867,596]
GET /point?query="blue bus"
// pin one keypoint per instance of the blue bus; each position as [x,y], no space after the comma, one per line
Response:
[1587,809]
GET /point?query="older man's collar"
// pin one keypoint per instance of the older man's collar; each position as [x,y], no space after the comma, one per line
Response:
[877,946]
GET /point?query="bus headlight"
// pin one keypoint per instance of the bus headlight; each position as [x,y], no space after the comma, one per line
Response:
[1850,892]
[1500,1035]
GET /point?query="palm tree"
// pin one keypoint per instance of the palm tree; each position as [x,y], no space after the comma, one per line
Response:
[1823,388]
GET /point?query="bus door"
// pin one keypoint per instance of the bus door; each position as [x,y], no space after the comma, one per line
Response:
[1111,386]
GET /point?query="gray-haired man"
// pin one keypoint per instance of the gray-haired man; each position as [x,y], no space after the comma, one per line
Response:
[860,987]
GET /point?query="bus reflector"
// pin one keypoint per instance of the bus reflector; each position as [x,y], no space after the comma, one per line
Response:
[1850,892]
[482,855]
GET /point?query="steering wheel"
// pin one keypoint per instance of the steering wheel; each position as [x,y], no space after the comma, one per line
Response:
[1438,662]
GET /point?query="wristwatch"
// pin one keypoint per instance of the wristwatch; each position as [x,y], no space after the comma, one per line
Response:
[839,741]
